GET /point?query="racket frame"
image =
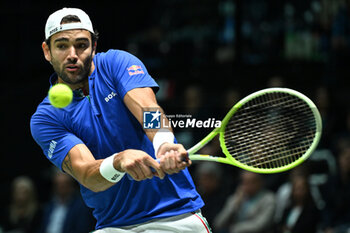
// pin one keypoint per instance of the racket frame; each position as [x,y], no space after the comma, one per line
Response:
[221,130]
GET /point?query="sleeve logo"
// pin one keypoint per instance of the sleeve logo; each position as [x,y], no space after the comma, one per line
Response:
[134,69]
[53,144]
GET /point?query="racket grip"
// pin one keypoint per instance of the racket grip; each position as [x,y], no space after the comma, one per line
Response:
[152,170]
[158,160]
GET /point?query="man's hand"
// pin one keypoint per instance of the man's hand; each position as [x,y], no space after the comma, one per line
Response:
[173,158]
[138,165]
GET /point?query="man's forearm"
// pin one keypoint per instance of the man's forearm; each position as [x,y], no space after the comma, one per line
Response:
[88,175]
[81,164]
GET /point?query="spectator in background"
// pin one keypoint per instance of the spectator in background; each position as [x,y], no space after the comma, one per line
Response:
[249,209]
[66,212]
[23,214]
[211,188]
[284,192]
[336,215]
[301,215]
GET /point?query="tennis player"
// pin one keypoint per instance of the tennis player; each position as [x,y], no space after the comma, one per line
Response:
[99,137]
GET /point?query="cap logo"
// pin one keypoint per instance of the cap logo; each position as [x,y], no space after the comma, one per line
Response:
[53,31]
[70,26]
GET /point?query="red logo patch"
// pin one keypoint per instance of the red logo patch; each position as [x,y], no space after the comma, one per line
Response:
[134,69]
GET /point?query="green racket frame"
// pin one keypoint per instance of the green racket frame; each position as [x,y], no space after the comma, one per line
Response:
[221,130]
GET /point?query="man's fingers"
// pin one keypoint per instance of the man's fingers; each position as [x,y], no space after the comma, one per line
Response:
[182,156]
[133,174]
[151,163]
[167,163]
[139,168]
[173,162]
[146,171]
[173,158]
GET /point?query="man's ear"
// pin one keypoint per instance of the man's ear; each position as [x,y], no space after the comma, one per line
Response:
[47,52]
[94,48]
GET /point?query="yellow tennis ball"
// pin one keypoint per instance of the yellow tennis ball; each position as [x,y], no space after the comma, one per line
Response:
[60,95]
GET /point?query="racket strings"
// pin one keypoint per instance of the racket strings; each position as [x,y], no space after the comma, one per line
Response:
[274,151]
[277,133]
[270,131]
[254,126]
[273,148]
[233,135]
[261,148]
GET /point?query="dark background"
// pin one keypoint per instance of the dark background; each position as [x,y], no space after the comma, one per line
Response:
[216,45]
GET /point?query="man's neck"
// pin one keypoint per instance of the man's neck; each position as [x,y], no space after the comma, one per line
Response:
[84,86]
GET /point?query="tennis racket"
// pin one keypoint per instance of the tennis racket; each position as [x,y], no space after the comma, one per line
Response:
[269,131]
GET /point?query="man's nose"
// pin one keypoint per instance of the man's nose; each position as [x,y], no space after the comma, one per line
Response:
[72,56]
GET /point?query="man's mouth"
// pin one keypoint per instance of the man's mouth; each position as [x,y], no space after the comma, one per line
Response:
[72,68]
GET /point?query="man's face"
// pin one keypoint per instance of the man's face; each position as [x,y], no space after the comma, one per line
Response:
[71,55]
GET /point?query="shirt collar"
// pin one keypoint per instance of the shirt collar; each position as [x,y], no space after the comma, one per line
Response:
[53,79]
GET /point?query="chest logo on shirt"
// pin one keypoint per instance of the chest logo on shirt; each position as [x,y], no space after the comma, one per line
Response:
[134,69]
[110,96]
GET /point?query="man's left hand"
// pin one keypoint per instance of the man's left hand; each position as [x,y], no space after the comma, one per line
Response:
[173,158]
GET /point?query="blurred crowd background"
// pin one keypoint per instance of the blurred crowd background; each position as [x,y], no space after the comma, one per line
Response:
[205,55]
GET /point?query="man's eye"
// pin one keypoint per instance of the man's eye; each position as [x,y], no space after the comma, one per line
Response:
[61,46]
[82,46]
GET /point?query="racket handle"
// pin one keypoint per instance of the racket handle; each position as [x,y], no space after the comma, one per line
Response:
[158,160]
[152,170]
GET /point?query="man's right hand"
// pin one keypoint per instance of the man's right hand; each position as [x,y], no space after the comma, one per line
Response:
[138,165]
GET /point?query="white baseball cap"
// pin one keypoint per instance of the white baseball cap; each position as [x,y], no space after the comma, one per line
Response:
[53,23]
